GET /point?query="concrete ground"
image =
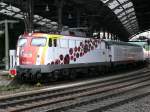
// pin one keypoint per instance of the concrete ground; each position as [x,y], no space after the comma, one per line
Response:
[4,78]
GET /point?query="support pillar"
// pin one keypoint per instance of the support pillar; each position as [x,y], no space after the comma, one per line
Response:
[107,35]
[104,34]
[100,33]
[60,10]
[111,36]
[30,2]
[5,22]
[6,46]
[78,17]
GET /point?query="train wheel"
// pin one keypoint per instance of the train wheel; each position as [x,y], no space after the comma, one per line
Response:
[32,77]
[72,75]
[65,73]
[18,76]
[91,72]
[54,76]
[22,77]
[38,76]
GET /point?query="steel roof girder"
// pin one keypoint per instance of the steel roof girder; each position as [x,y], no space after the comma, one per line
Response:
[133,17]
[21,13]
[130,21]
[125,10]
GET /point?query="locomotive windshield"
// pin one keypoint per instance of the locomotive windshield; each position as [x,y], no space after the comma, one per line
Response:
[40,41]
[22,42]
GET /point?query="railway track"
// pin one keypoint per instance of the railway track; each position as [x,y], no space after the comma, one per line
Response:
[91,96]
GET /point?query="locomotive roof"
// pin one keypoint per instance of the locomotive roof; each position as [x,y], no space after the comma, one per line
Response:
[42,35]
[46,35]
[111,42]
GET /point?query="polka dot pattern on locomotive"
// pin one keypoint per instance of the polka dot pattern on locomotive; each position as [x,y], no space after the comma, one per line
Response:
[77,52]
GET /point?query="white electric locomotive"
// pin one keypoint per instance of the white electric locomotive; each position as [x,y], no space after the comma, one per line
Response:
[55,56]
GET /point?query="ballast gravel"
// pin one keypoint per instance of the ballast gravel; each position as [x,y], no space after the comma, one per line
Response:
[140,105]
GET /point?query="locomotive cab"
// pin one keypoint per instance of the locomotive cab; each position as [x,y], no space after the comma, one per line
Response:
[32,50]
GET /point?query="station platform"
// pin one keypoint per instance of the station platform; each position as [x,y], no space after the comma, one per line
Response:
[4,72]
[4,78]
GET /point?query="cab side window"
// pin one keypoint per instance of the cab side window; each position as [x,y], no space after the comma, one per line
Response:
[55,42]
[50,43]
[107,46]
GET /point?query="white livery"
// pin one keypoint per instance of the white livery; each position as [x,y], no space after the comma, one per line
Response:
[40,53]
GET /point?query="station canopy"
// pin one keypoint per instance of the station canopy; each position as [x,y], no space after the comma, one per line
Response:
[123,18]
[10,10]
[125,12]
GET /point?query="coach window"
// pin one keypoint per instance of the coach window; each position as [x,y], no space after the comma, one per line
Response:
[71,43]
[55,42]
[64,43]
[106,45]
[50,42]
[109,47]
[78,43]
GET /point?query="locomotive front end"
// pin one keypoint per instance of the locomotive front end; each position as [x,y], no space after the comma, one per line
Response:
[30,50]
[30,54]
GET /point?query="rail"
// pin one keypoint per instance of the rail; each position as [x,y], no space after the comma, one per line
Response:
[79,96]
